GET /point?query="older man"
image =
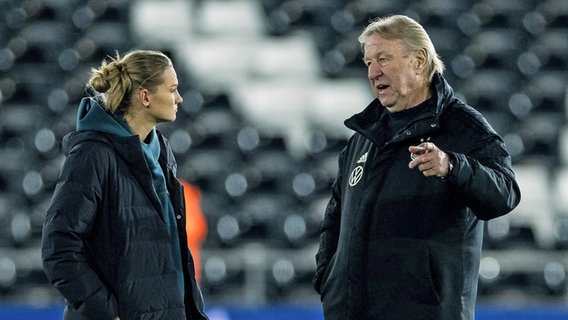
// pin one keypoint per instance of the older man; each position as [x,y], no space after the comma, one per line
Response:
[402,233]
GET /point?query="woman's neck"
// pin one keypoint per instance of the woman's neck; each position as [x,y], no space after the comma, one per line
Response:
[139,126]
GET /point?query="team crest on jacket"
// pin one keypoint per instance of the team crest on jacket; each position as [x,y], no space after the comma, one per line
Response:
[357,173]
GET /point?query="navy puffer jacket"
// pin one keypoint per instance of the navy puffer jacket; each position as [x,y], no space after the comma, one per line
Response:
[105,245]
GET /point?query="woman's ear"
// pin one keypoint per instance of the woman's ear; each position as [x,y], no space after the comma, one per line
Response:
[144,97]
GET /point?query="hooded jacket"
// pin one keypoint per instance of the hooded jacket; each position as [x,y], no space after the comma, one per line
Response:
[395,244]
[106,246]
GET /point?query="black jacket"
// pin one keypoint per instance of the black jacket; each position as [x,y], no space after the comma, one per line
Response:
[105,245]
[398,245]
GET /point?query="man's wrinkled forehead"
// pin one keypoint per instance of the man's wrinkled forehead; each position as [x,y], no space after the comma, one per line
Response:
[377,43]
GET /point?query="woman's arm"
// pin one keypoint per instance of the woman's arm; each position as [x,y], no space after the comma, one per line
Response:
[67,225]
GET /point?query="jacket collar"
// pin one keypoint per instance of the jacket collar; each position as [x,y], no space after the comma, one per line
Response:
[128,148]
[444,94]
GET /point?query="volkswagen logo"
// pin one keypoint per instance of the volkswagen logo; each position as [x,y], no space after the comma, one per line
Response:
[355,176]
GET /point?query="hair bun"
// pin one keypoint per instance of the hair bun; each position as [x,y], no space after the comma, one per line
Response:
[99,81]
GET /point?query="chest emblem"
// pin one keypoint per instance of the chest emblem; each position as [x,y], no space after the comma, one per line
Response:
[357,173]
[355,176]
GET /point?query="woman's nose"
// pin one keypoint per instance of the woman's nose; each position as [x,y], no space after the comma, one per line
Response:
[179,98]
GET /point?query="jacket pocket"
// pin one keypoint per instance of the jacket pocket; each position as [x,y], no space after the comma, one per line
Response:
[101,305]
[72,314]
[324,278]
[399,272]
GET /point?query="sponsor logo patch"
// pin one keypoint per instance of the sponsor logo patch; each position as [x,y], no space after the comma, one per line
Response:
[355,176]
[357,173]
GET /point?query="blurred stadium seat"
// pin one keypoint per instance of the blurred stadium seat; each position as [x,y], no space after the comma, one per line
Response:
[266,87]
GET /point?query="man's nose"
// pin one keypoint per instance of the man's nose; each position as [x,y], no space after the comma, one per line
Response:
[374,71]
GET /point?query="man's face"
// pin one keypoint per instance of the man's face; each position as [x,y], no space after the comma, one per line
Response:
[395,74]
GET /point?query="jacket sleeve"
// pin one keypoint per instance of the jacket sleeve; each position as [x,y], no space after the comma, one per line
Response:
[67,225]
[329,231]
[485,179]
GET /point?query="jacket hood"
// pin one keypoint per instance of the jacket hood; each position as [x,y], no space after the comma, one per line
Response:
[92,116]
[443,94]
[92,120]
[95,124]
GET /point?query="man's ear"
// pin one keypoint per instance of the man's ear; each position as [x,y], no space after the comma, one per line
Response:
[420,60]
[144,97]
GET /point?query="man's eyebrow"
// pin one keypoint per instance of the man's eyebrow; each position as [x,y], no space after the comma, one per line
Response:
[378,54]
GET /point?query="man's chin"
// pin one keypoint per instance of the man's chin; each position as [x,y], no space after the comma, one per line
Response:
[386,104]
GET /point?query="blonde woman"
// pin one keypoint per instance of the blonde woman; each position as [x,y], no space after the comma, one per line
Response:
[114,242]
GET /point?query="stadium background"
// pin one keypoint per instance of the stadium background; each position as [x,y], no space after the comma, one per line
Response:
[266,86]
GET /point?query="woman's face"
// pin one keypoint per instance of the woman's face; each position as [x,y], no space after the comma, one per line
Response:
[165,98]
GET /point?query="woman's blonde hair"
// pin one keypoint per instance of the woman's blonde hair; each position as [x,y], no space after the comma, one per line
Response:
[411,32]
[116,80]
